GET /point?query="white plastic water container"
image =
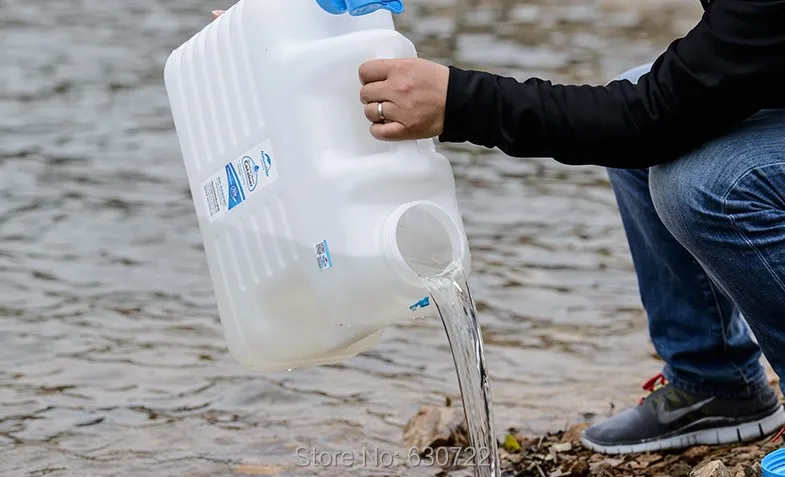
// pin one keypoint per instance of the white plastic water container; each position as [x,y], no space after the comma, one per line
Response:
[314,231]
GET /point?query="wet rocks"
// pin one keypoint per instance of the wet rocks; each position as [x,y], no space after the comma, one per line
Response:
[714,468]
[746,470]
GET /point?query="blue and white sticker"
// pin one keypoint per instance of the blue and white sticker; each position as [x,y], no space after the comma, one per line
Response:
[323,257]
[234,184]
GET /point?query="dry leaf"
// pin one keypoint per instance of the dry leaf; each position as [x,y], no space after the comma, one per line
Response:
[511,444]
[562,447]
[250,469]
[646,460]
[579,469]
[573,434]
[432,427]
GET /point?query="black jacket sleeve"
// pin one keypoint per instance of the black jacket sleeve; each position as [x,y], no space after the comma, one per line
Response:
[731,65]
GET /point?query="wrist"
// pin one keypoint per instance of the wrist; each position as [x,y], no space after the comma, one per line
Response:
[454,127]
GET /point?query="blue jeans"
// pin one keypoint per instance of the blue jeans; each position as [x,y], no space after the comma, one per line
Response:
[707,236]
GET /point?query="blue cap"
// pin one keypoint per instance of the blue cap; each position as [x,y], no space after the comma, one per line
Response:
[773,464]
[360,7]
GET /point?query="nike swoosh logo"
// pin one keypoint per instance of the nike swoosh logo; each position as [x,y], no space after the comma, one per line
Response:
[669,417]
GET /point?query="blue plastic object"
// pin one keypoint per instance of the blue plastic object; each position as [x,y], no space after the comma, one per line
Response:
[360,7]
[425,302]
[774,464]
[336,7]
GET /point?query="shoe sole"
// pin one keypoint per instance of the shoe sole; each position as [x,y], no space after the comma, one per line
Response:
[720,435]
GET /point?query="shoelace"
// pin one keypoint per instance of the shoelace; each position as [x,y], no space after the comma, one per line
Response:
[779,434]
[652,385]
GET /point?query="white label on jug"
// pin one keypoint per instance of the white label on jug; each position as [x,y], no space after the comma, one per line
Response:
[239,179]
[323,257]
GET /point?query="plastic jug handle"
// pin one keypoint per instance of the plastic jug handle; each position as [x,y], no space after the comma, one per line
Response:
[406,148]
[360,7]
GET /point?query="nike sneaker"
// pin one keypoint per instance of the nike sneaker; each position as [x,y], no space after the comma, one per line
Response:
[669,418]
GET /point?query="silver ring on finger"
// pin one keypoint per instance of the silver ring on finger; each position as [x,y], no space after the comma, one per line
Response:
[380,112]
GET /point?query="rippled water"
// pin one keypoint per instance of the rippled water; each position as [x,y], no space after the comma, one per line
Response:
[112,359]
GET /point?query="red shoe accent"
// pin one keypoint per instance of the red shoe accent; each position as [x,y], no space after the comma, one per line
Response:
[779,434]
[658,379]
[651,385]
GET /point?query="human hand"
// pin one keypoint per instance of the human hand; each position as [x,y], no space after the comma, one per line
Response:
[412,94]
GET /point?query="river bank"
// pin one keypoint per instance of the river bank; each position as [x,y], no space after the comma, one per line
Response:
[560,454]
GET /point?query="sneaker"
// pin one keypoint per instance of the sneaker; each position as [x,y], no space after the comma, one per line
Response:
[669,418]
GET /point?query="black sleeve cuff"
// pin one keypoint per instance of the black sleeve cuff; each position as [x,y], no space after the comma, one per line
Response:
[468,111]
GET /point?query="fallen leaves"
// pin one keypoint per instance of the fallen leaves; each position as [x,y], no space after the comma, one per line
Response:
[561,454]
[562,447]
[434,427]
[511,444]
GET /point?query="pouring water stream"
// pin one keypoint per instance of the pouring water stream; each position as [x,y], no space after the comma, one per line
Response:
[450,293]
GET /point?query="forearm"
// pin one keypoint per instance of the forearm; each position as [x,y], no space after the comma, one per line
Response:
[619,125]
[720,73]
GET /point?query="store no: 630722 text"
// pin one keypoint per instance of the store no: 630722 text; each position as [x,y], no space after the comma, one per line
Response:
[414,457]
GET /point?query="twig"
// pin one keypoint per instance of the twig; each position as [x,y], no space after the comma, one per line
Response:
[540,443]
[541,472]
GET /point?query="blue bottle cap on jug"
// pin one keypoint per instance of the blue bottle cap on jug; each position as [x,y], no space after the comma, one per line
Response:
[773,464]
[360,7]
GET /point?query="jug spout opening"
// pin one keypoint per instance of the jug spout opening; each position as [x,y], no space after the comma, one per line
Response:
[422,240]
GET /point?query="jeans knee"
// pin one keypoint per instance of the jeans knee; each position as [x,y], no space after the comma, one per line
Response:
[688,196]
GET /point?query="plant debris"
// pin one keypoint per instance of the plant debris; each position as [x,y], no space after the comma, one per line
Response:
[561,454]
[434,427]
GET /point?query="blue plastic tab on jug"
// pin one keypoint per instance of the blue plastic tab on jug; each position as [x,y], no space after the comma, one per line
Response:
[360,7]
[336,7]
[364,7]
[773,464]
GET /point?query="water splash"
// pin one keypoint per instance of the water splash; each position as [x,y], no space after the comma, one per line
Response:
[452,297]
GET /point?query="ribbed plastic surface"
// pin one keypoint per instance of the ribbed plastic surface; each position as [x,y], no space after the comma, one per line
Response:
[290,189]
[774,464]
